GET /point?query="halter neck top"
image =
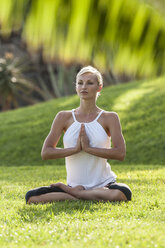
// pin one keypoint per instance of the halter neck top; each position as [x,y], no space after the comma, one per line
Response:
[83,168]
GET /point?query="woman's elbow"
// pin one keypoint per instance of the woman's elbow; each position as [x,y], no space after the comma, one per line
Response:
[122,156]
[43,156]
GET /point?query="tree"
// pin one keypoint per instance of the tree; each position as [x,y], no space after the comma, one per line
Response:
[125,34]
[14,87]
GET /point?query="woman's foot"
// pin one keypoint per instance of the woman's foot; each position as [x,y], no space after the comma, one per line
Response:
[66,188]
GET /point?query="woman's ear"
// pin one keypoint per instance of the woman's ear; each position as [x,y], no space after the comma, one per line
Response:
[100,87]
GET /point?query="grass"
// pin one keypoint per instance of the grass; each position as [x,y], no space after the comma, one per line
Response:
[139,223]
[140,106]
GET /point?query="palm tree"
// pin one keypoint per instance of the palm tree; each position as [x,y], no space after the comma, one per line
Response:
[124,34]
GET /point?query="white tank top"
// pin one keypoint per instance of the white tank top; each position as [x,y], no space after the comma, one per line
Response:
[83,168]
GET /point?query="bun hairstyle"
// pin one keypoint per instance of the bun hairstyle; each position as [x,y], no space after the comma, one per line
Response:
[91,70]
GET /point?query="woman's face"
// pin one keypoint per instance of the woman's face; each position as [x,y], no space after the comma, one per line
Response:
[87,86]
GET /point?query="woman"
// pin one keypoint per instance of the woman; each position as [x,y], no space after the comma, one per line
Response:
[88,132]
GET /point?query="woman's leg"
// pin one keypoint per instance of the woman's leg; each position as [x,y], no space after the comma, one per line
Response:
[101,194]
[50,197]
[112,192]
[37,194]
[98,194]
[124,188]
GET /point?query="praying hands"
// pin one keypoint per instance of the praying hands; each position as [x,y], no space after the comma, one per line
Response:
[83,140]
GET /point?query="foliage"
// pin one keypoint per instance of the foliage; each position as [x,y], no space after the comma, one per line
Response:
[62,82]
[159,5]
[140,106]
[58,80]
[139,223]
[16,89]
[13,84]
[125,35]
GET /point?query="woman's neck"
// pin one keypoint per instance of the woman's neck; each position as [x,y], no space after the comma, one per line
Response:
[87,107]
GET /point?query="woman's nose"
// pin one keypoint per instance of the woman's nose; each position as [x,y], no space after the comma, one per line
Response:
[84,85]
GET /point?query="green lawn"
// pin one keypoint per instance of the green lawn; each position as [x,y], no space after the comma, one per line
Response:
[139,223]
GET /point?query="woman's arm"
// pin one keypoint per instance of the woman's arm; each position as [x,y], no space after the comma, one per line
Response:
[108,153]
[118,151]
[49,149]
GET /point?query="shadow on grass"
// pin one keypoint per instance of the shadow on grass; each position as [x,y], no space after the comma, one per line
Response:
[38,213]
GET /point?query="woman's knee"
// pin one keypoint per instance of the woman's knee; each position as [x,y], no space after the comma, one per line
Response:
[36,192]
[35,199]
[28,195]
[41,191]
[117,195]
[121,196]
[123,192]
[31,200]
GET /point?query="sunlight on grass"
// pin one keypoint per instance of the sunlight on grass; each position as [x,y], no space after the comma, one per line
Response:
[127,99]
[139,223]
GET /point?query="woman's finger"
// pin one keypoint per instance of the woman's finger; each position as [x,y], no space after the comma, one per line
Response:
[81,130]
[80,133]
[82,126]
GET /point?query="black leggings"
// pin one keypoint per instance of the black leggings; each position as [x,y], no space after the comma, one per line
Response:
[122,187]
[48,189]
[41,191]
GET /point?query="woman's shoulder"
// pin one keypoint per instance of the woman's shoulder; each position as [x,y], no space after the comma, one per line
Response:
[62,119]
[64,114]
[110,114]
[110,118]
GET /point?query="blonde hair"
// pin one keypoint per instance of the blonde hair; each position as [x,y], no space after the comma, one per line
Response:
[93,70]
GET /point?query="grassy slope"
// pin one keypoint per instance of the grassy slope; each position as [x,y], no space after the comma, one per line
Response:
[138,223]
[140,106]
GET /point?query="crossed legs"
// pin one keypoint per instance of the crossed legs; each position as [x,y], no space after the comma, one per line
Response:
[99,194]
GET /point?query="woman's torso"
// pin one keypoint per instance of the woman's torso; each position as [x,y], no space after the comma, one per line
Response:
[83,168]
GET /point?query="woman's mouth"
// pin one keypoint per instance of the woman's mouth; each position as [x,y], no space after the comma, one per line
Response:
[84,92]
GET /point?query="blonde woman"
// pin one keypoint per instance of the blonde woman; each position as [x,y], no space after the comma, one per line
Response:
[88,132]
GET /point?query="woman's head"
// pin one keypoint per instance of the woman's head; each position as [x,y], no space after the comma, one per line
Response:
[93,73]
[91,70]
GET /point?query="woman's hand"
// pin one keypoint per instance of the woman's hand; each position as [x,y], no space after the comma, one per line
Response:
[78,145]
[84,138]
[61,186]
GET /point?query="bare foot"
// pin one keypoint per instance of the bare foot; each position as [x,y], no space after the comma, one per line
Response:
[78,188]
[66,188]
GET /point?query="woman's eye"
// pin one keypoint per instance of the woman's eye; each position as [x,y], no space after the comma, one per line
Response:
[90,82]
[79,82]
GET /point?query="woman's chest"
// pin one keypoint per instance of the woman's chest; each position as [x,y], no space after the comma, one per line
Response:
[95,132]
